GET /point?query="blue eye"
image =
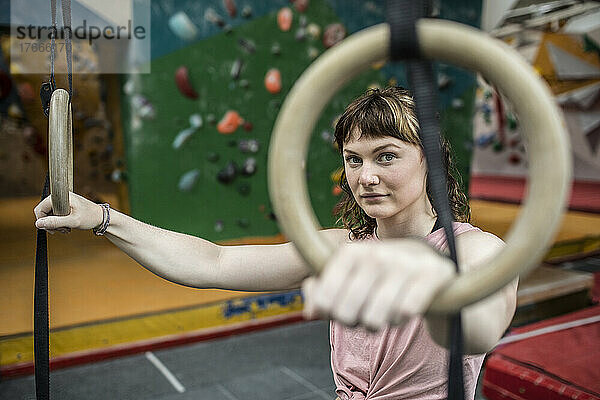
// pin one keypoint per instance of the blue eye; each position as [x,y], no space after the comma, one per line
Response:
[352,160]
[387,157]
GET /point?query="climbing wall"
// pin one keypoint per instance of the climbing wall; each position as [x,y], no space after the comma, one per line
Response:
[567,57]
[197,127]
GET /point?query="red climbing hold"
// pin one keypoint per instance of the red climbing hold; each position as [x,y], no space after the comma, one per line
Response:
[182,79]
[301,5]
[230,7]
[273,81]
[229,123]
[284,19]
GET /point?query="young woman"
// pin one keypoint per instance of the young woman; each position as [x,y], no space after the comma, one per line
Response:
[386,272]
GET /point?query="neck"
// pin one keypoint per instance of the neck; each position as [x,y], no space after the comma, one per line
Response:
[416,220]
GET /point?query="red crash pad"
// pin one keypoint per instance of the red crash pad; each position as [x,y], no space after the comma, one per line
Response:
[559,365]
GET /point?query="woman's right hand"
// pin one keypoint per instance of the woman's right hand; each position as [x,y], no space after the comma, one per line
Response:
[85,214]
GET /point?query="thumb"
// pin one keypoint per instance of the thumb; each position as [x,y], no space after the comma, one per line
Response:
[53,222]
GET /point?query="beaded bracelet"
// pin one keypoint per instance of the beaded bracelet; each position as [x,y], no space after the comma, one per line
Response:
[100,230]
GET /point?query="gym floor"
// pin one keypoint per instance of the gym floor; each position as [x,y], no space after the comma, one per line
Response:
[284,363]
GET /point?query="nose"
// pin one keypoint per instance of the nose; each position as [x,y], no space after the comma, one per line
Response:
[368,177]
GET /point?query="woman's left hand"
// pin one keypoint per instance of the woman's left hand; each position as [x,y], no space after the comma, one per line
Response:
[377,283]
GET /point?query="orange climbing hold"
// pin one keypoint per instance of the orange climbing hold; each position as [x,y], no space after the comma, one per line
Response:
[284,19]
[230,122]
[273,81]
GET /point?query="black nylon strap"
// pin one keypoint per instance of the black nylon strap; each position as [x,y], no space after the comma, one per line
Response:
[41,342]
[402,16]
[41,320]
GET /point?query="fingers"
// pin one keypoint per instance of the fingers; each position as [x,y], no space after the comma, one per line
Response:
[377,313]
[419,294]
[44,208]
[330,285]
[378,284]
[350,302]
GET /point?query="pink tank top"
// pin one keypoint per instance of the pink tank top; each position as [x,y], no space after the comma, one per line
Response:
[396,363]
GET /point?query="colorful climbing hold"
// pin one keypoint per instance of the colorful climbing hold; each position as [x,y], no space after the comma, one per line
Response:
[249,146]
[182,80]
[182,26]
[249,167]
[498,146]
[230,7]
[247,45]
[273,81]
[246,11]
[142,107]
[485,140]
[300,34]
[301,5]
[188,180]
[236,68]
[514,158]
[229,123]
[228,173]
[196,120]
[313,30]
[337,190]
[284,19]
[182,137]
[211,16]
[248,126]
[219,226]
[334,33]
[276,49]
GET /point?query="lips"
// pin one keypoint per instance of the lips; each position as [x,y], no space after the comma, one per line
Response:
[372,195]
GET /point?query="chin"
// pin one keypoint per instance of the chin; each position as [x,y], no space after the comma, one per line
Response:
[377,211]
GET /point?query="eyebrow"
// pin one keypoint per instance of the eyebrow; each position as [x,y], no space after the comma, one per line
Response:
[376,149]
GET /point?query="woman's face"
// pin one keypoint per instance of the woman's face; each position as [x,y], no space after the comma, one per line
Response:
[386,175]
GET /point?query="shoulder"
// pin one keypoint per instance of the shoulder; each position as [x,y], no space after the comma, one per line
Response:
[476,246]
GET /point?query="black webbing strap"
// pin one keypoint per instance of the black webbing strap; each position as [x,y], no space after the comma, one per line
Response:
[41,323]
[404,45]
[41,342]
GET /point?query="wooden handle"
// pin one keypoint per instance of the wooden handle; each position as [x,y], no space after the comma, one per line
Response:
[60,149]
[452,43]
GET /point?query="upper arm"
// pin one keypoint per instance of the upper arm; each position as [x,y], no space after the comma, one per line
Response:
[475,250]
[494,313]
[266,267]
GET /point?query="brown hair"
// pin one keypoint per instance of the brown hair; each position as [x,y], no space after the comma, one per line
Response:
[380,113]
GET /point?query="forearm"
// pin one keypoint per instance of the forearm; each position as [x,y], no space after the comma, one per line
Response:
[178,257]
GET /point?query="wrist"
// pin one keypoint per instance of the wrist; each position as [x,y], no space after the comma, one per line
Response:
[100,229]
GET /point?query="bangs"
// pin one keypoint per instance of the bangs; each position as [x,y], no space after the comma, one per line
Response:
[379,114]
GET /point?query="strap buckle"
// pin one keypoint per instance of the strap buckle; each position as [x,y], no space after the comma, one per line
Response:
[45,96]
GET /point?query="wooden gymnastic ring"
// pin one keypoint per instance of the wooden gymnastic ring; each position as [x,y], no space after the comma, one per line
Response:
[60,150]
[452,43]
